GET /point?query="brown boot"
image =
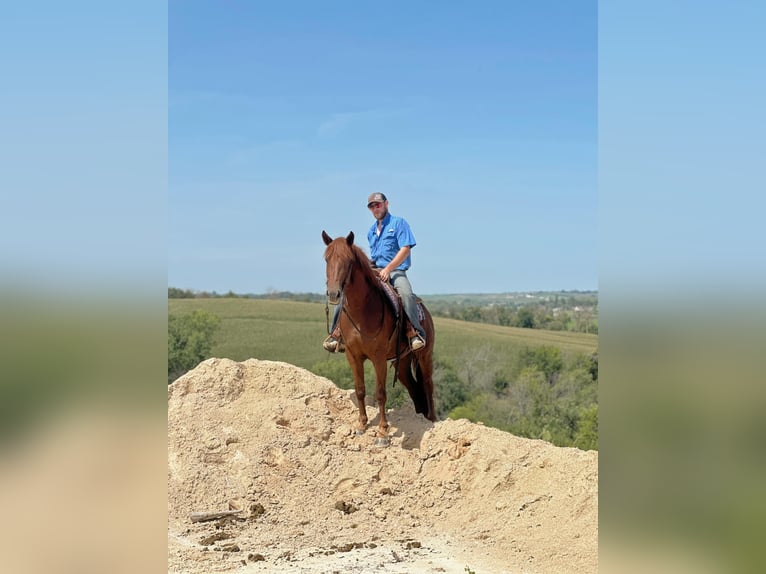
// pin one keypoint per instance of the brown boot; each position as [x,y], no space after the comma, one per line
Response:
[334,343]
[417,342]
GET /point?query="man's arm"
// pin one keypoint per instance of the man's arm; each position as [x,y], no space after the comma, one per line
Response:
[398,259]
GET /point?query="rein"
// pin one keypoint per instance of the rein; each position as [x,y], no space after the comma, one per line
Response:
[353,323]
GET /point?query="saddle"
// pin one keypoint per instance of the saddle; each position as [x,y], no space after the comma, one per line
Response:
[396,303]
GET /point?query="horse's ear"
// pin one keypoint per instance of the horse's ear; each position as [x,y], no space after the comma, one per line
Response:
[350,238]
[327,238]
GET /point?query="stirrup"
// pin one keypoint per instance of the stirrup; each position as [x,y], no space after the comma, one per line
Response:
[417,343]
[333,345]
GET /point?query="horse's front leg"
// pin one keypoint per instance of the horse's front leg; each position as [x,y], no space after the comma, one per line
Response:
[381,368]
[357,369]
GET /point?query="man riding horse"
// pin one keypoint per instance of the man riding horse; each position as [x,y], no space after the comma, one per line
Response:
[391,242]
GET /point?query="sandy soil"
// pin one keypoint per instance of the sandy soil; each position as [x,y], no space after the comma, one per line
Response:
[276,442]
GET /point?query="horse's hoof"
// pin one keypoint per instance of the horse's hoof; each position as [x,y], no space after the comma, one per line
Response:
[358,432]
[382,442]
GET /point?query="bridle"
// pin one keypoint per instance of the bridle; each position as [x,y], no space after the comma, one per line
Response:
[341,285]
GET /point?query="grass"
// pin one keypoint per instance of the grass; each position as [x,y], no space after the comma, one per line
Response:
[293,331]
[453,335]
[276,330]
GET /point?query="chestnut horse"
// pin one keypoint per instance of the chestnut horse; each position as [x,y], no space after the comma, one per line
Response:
[368,323]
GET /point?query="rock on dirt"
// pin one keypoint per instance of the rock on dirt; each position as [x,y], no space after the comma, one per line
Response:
[277,441]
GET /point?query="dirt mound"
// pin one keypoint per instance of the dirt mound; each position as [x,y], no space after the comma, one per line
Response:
[276,442]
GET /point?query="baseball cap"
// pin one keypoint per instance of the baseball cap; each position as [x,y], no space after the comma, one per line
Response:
[376,197]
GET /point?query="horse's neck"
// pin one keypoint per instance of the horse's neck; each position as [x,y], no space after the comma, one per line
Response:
[364,294]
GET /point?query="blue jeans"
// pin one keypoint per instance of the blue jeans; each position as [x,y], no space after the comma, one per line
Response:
[402,285]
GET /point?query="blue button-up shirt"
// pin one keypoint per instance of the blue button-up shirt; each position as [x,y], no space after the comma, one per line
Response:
[394,234]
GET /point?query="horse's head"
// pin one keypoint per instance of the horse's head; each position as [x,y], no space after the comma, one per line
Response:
[340,260]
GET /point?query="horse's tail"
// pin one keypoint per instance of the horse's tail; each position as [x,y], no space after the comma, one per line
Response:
[418,389]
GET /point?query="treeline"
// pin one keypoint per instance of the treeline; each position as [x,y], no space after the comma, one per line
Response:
[539,394]
[579,318]
[175,293]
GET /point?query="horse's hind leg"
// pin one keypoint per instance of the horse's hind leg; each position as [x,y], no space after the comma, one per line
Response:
[357,368]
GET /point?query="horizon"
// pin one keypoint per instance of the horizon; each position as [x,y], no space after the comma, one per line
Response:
[455,294]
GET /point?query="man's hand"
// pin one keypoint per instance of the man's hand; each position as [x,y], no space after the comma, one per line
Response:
[401,255]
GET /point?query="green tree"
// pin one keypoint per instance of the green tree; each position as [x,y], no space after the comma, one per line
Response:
[478,368]
[534,397]
[176,293]
[546,359]
[190,339]
[472,410]
[506,316]
[449,390]
[525,318]
[470,313]
[587,433]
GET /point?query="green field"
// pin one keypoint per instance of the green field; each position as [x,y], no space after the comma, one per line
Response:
[293,331]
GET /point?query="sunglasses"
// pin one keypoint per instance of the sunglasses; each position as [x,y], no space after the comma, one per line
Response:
[374,204]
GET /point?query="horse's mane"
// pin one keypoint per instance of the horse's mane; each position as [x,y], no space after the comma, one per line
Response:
[343,249]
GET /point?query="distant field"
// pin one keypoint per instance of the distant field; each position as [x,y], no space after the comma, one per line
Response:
[292,332]
[515,298]
[453,335]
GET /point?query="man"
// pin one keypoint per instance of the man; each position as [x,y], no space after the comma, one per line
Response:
[391,241]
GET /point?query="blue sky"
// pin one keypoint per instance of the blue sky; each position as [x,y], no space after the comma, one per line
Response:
[477,120]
